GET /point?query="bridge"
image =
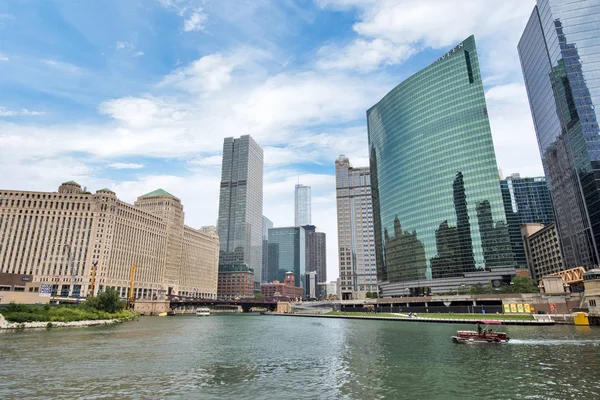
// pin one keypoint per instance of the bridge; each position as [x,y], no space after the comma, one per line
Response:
[270,303]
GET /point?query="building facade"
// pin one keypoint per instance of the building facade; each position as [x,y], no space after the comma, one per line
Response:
[526,201]
[356,240]
[311,290]
[558,53]
[56,237]
[542,249]
[287,253]
[266,225]
[302,207]
[236,285]
[316,252]
[287,289]
[240,207]
[437,205]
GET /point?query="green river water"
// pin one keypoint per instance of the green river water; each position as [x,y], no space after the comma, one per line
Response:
[276,357]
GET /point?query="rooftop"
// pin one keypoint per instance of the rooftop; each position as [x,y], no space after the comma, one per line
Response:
[158,192]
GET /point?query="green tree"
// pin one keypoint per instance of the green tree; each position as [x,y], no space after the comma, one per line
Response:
[372,295]
[520,284]
[108,301]
[259,296]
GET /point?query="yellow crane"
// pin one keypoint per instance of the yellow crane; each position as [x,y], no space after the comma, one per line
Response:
[93,282]
[130,296]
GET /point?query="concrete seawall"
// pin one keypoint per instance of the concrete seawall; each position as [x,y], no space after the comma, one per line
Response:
[420,319]
[4,324]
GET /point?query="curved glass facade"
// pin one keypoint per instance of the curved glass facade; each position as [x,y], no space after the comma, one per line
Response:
[437,205]
[560,59]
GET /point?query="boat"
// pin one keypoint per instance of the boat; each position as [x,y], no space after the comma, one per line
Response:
[202,312]
[482,335]
[162,314]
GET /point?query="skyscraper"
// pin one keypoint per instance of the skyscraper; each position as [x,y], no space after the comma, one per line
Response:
[560,63]
[302,205]
[316,253]
[287,253]
[266,225]
[356,243]
[526,201]
[438,213]
[240,208]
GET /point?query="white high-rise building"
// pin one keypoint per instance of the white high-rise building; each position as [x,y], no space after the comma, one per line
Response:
[302,205]
[356,240]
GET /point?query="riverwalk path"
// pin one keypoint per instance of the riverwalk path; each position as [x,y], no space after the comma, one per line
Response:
[420,319]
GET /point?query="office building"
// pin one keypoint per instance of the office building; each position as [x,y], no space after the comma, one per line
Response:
[266,225]
[437,205]
[310,285]
[526,201]
[542,250]
[287,253]
[559,59]
[240,208]
[356,242]
[302,205]
[316,252]
[56,237]
[208,229]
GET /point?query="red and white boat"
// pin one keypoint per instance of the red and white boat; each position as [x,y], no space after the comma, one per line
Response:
[481,335]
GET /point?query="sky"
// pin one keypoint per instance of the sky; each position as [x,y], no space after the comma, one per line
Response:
[138,95]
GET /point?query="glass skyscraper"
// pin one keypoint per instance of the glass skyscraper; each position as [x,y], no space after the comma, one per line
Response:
[240,207]
[266,225]
[302,209]
[526,201]
[287,253]
[437,206]
[560,59]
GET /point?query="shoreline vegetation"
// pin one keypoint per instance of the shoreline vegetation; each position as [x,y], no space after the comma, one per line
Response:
[501,317]
[106,308]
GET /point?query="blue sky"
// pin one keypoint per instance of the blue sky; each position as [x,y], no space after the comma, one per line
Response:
[137,95]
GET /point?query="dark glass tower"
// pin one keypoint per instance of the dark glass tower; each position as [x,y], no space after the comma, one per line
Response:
[437,205]
[526,201]
[240,207]
[560,59]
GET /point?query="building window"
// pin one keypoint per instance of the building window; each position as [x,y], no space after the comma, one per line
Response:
[592,303]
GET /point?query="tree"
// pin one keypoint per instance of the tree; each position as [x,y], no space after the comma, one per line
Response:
[108,301]
[372,295]
[259,296]
[520,284]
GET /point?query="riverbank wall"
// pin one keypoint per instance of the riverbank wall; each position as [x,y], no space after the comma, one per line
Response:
[5,325]
[544,322]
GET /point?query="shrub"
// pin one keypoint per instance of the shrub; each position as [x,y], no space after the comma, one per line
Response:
[108,301]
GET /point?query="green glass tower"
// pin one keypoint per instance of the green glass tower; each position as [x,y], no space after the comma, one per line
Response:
[438,212]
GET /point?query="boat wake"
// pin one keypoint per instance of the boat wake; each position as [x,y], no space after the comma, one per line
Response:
[555,342]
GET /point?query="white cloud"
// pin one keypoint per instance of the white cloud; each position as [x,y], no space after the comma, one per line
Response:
[126,165]
[4,112]
[124,45]
[514,137]
[363,55]
[196,21]
[3,57]
[63,66]
[437,24]
[138,54]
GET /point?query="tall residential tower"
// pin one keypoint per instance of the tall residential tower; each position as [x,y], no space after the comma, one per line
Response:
[240,209]
[302,205]
[438,211]
[559,58]
[356,243]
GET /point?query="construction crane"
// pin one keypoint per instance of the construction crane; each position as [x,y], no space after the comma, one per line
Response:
[130,296]
[93,282]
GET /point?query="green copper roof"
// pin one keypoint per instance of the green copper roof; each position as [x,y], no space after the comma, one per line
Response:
[158,192]
[105,190]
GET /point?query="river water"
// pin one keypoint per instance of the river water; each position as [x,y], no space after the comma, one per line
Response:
[277,357]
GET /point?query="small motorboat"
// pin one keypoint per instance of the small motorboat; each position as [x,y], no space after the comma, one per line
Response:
[202,312]
[481,335]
